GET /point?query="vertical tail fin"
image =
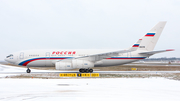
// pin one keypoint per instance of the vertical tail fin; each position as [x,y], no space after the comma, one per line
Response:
[148,42]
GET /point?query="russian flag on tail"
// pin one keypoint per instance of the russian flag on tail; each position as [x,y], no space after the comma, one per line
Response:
[135,45]
[150,34]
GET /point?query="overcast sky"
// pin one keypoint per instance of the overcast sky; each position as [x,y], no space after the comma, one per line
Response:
[86,24]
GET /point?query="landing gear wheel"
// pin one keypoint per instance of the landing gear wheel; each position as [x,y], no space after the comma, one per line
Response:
[87,70]
[28,70]
[82,70]
[90,70]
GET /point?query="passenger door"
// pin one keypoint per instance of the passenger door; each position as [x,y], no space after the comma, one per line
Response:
[21,56]
[47,60]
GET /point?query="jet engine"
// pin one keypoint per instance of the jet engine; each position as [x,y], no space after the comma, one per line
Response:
[72,64]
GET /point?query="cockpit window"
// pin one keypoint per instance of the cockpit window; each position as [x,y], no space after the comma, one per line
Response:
[9,56]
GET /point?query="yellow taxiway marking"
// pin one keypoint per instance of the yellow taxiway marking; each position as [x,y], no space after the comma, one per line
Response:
[67,75]
[79,75]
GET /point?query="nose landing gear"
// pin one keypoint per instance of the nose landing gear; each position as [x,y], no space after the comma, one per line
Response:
[28,70]
[83,70]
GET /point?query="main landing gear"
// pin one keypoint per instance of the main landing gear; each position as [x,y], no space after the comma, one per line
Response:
[83,70]
[28,70]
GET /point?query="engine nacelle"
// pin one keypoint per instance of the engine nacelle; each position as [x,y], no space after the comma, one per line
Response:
[72,64]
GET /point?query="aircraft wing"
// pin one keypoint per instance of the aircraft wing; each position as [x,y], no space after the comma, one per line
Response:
[155,52]
[97,57]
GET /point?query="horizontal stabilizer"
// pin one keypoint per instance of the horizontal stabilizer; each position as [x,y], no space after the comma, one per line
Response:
[154,52]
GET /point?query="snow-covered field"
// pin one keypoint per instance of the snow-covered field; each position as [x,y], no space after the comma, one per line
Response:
[121,89]
[96,89]
[11,70]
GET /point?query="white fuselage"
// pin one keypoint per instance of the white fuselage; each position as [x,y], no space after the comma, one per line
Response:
[47,58]
[85,59]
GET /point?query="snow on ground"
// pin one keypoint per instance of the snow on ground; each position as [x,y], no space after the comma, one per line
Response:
[121,89]
[126,89]
[12,69]
[4,68]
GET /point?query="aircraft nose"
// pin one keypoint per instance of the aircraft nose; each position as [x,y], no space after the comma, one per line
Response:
[5,59]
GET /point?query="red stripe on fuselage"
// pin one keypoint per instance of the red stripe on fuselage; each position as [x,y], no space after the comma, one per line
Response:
[25,64]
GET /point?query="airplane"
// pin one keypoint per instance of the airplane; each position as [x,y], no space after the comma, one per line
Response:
[84,60]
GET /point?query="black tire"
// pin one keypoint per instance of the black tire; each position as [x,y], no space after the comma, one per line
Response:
[28,71]
[82,70]
[87,70]
[90,70]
